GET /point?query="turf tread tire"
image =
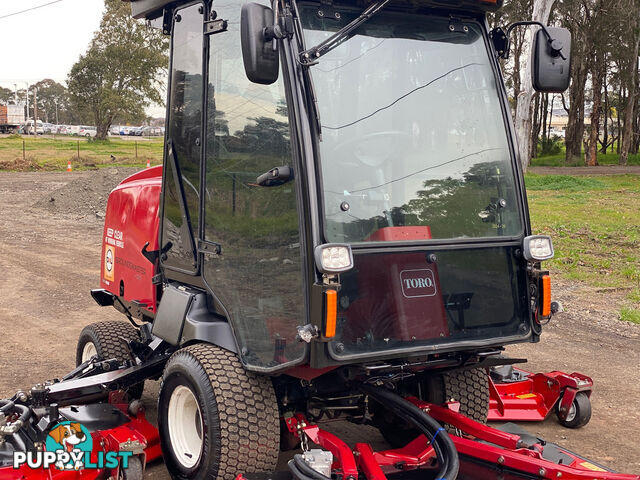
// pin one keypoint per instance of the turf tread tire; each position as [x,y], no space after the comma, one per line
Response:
[471,389]
[244,412]
[107,338]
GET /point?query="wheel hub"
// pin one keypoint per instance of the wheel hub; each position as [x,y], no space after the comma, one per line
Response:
[185,426]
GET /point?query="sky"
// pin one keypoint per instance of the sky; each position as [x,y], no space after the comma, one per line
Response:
[46,42]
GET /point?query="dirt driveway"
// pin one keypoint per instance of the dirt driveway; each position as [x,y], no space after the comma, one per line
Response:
[49,260]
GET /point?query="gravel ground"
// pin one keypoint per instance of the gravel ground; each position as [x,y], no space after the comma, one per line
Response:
[50,258]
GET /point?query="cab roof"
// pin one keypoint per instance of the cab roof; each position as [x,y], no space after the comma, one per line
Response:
[151,9]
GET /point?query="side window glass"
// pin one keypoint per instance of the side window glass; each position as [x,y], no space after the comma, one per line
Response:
[258,276]
[182,164]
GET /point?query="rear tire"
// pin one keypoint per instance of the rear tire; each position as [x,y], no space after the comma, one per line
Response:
[468,387]
[104,339]
[216,419]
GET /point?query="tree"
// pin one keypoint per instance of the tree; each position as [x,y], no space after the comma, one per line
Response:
[121,73]
[629,73]
[541,11]
[6,96]
[53,97]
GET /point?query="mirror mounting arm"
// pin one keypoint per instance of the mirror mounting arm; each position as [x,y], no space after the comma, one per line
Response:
[501,41]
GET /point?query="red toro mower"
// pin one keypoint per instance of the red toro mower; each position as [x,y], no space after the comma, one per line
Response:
[339,230]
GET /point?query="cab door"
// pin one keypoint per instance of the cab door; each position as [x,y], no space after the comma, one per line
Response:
[183,145]
[257,273]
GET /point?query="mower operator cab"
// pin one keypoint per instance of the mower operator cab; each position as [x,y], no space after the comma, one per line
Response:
[342,180]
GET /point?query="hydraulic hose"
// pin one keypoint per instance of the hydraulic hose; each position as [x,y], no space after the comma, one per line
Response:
[6,405]
[440,439]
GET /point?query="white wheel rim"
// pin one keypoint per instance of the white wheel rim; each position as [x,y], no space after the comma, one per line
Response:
[185,426]
[88,351]
[572,413]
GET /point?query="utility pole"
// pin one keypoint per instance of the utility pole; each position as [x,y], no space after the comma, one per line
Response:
[27,90]
[15,92]
[35,111]
[56,102]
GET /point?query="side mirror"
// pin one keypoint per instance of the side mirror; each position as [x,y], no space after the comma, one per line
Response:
[551,62]
[259,53]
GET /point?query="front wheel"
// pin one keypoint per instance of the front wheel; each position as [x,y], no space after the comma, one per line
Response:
[216,419]
[107,340]
[579,412]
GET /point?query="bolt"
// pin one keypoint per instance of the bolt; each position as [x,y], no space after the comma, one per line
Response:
[559,474]
[452,28]
[501,460]
[465,28]
[542,472]
[337,15]
[320,13]
[306,55]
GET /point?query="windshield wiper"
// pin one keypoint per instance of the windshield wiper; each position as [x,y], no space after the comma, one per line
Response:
[310,56]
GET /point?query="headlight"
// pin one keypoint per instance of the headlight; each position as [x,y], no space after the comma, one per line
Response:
[538,247]
[333,258]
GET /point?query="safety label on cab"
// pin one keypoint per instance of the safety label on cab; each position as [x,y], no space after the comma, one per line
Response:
[115,238]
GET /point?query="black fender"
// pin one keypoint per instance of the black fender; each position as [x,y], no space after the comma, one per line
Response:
[184,317]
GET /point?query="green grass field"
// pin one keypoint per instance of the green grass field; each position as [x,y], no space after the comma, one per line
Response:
[603,159]
[53,153]
[595,226]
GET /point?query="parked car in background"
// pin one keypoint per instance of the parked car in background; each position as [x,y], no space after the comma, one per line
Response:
[124,130]
[29,130]
[151,131]
[87,131]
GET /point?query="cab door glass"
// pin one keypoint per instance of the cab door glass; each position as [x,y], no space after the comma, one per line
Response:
[184,140]
[258,275]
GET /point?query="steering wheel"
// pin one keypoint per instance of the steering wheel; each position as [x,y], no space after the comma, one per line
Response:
[374,149]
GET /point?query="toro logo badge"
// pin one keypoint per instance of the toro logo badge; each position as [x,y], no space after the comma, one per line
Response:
[418,283]
[68,447]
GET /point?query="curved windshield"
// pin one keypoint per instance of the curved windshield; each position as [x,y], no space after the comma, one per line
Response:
[414,143]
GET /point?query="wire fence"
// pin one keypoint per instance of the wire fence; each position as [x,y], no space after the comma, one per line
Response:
[23,152]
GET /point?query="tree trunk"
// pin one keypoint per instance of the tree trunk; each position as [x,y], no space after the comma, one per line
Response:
[631,100]
[545,105]
[575,122]
[605,127]
[541,11]
[618,121]
[553,98]
[535,125]
[592,143]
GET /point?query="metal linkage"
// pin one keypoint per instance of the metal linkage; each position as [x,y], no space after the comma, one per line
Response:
[508,451]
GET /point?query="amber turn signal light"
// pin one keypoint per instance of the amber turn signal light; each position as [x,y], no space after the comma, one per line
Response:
[545,310]
[331,313]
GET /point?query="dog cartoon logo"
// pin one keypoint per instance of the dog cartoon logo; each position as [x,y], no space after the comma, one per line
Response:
[73,439]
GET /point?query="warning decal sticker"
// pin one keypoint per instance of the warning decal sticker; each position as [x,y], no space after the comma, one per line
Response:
[109,263]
